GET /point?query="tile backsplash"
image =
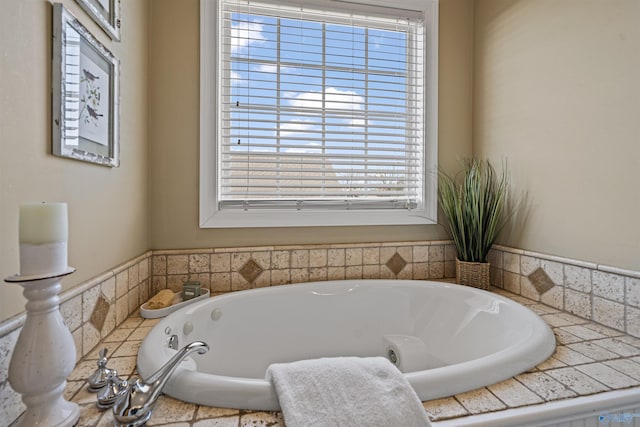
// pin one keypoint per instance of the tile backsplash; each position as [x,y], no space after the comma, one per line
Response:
[92,310]
[607,295]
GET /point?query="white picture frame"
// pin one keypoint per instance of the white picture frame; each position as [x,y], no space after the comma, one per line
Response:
[85,82]
[105,13]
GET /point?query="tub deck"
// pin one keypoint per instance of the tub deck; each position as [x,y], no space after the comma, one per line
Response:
[590,359]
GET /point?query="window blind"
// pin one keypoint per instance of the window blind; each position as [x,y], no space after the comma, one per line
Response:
[320,108]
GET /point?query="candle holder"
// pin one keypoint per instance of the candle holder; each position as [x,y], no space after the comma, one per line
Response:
[44,355]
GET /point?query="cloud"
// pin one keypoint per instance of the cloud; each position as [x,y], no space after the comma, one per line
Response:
[334,99]
[244,34]
[289,129]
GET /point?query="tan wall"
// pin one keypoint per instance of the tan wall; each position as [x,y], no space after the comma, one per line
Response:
[557,92]
[174,122]
[107,207]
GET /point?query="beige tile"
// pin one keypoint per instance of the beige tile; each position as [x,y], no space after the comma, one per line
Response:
[134,276]
[632,291]
[570,357]
[299,275]
[176,281]
[178,264]
[436,253]
[583,332]
[220,263]
[608,376]
[353,272]
[72,388]
[554,297]
[143,269]
[371,256]
[94,354]
[108,288]
[280,277]
[442,409]
[89,415]
[602,329]
[318,258]
[257,419]
[336,257]
[119,335]
[199,263]
[169,410]
[563,319]
[239,259]
[134,300]
[528,264]
[608,313]
[353,256]
[608,285]
[593,351]
[122,283]
[551,363]
[626,366]
[578,303]
[317,274]
[11,405]
[336,273]
[421,253]
[159,265]
[618,346]
[480,401]
[564,337]
[299,258]
[514,394]
[511,282]
[232,421]
[280,260]
[90,337]
[577,381]
[212,412]
[124,365]
[577,278]
[545,386]
[128,348]
[436,270]
[370,271]
[83,370]
[633,321]
[132,322]
[220,282]
[511,262]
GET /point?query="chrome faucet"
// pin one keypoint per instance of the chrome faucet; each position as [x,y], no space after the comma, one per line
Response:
[134,404]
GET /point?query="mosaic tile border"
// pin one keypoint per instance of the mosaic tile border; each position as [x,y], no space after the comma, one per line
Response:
[233,269]
[606,295]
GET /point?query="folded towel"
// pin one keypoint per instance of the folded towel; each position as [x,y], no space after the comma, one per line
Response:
[162,299]
[346,392]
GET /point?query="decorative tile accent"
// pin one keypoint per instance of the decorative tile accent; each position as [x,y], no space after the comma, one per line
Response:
[100,312]
[250,271]
[541,280]
[396,263]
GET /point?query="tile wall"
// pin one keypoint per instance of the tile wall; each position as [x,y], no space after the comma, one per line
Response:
[607,295]
[92,310]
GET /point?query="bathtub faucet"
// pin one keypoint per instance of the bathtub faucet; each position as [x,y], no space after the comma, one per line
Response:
[134,404]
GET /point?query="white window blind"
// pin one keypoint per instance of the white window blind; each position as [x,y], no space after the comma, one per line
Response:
[320,109]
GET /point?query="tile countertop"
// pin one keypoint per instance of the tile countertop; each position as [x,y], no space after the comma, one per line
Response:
[589,359]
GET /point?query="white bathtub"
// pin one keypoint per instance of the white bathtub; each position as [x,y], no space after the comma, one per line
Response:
[472,338]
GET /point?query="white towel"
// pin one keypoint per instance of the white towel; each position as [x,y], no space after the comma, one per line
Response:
[346,392]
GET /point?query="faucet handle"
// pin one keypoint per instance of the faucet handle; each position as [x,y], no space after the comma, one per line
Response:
[113,387]
[98,379]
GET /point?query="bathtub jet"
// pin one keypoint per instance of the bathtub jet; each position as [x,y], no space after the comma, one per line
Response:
[445,338]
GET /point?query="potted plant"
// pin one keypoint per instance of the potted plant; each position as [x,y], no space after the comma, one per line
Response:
[474,204]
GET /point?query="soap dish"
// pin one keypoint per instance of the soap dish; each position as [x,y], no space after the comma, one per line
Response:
[148,313]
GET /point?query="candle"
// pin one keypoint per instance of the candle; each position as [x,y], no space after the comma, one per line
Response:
[43,223]
[43,234]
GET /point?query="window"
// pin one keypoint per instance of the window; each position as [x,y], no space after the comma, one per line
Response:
[318,114]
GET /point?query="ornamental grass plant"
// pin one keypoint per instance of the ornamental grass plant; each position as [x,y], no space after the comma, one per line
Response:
[474,203]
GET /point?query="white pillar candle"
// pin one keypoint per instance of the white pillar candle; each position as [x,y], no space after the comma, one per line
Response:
[43,238]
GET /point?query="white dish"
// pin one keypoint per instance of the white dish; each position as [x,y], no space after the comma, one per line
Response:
[148,313]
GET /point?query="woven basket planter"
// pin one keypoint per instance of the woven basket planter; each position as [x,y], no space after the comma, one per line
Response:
[475,274]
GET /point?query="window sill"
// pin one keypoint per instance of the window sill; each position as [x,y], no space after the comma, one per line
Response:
[280,218]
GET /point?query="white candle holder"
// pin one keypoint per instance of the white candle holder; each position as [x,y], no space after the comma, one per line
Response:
[44,355]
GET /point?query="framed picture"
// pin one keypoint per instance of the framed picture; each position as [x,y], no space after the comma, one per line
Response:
[85,80]
[106,13]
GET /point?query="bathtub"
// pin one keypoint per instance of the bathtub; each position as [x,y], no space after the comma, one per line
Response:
[462,338]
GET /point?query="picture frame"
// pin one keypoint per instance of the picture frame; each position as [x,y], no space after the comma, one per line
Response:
[105,13]
[85,94]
